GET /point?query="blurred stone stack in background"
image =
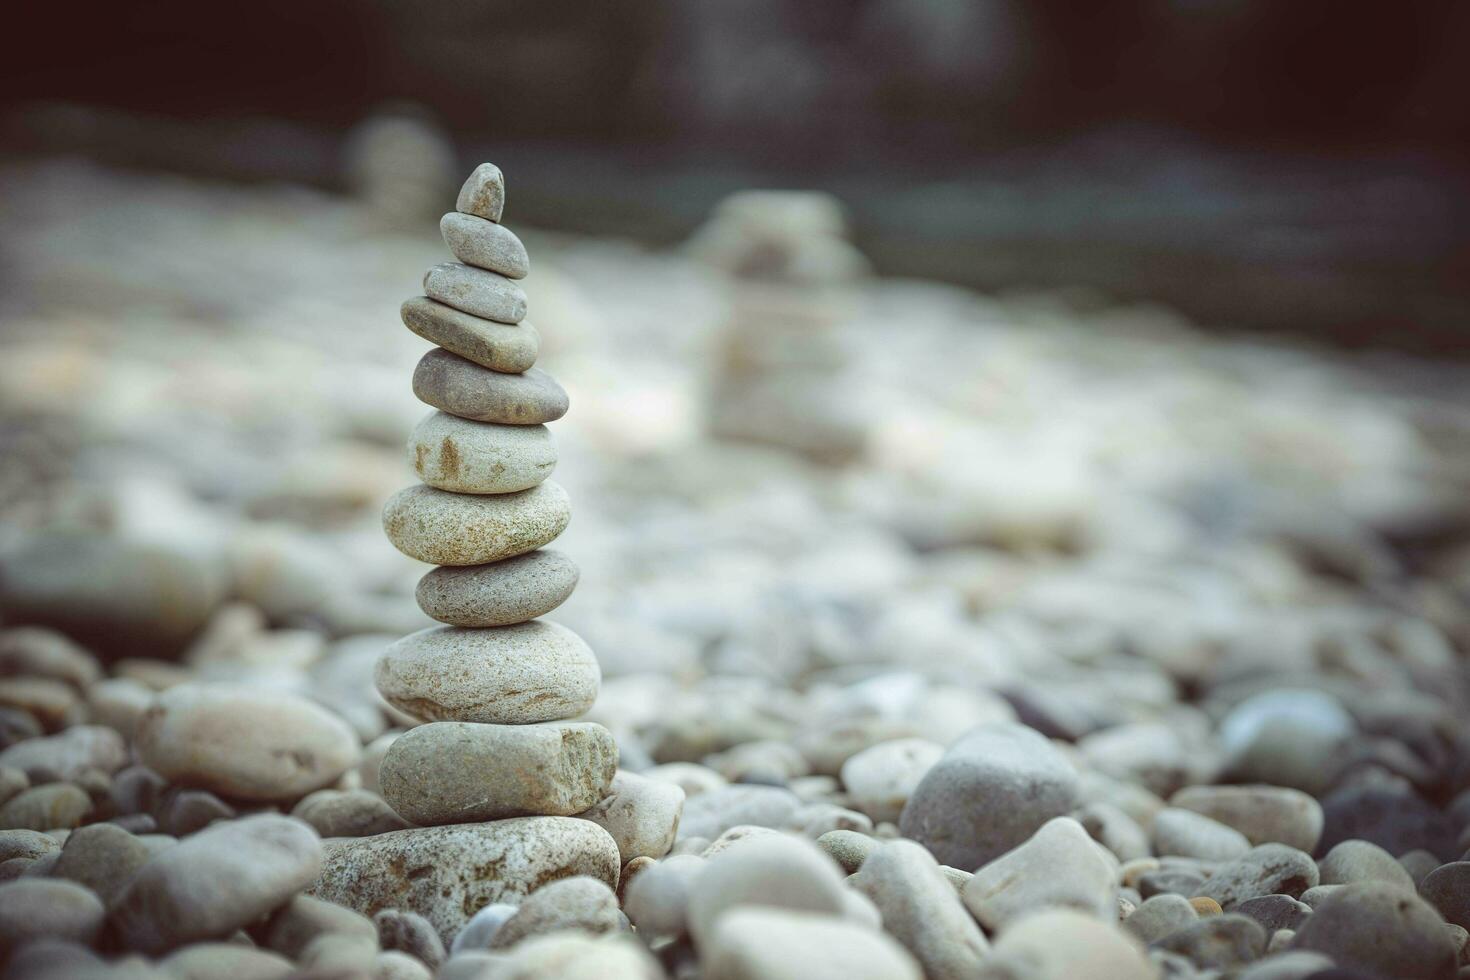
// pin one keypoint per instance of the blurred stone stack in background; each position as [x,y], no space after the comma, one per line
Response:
[780,367]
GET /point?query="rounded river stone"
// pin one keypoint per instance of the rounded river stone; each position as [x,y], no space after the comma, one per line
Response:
[476,291]
[485,244]
[460,387]
[500,593]
[444,528]
[505,675]
[506,347]
[459,772]
[461,456]
[483,193]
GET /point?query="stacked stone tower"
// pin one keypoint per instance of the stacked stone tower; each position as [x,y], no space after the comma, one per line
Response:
[495,685]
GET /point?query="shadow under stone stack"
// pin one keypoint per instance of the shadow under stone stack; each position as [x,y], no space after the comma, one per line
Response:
[498,755]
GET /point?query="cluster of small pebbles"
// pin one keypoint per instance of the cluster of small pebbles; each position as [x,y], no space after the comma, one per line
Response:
[1119,651]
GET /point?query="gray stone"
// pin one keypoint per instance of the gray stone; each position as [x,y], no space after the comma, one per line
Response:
[711,813]
[52,806]
[1419,864]
[1275,911]
[244,743]
[1379,929]
[476,292]
[294,925]
[447,874]
[502,593]
[788,873]
[458,772]
[483,193]
[1269,869]
[880,779]
[1063,944]
[216,881]
[580,903]
[350,813]
[444,528]
[411,933]
[42,908]
[1190,834]
[103,857]
[1114,829]
[461,387]
[1447,888]
[571,956]
[641,814]
[1160,916]
[462,456]
[505,675]
[1286,738]
[921,910]
[1318,894]
[1264,814]
[1219,942]
[657,899]
[485,244]
[847,847]
[12,782]
[28,844]
[1059,866]
[1358,860]
[754,943]
[990,791]
[509,348]
[39,652]
[479,932]
[187,811]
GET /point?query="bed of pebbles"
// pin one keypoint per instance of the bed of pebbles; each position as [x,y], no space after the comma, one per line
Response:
[1121,650]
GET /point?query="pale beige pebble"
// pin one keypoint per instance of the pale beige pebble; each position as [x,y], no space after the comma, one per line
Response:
[1359,860]
[1063,944]
[502,593]
[157,675]
[55,704]
[463,456]
[815,819]
[691,777]
[446,874]
[216,881]
[1059,865]
[756,943]
[461,387]
[881,778]
[574,956]
[350,813]
[68,754]
[393,965]
[461,772]
[26,844]
[36,651]
[735,835]
[369,770]
[509,348]
[103,857]
[641,814]
[631,870]
[505,675]
[47,807]
[304,918]
[12,782]
[225,961]
[657,900]
[42,908]
[848,848]
[765,760]
[119,703]
[580,903]
[244,743]
[788,873]
[1264,814]
[1184,833]
[920,908]
[1281,939]
[340,953]
[480,931]
[483,193]
[476,292]
[444,528]
[1131,871]
[485,244]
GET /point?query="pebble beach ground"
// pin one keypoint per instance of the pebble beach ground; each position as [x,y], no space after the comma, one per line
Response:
[1120,649]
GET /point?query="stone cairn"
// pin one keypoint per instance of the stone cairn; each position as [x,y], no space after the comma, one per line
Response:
[498,766]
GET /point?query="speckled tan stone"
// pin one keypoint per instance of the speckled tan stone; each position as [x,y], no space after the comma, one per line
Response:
[462,456]
[447,874]
[476,291]
[444,528]
[483,194]
[501,593]
[507,347]
[485,244]
[504,675]
[460,387]
[459,772]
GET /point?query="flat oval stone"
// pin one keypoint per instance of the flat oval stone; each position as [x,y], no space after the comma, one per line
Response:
[460,387]
[476,291]
[444,528]
[483,193]
[447,874]
[459,772]
[501,593]
[485,244]
[507,347]
[259,745]
[506,675]
[461,456]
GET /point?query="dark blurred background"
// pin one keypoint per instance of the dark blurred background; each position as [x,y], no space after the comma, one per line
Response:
[1292,166]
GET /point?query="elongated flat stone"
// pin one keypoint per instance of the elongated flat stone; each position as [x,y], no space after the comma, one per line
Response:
[447,874]
[476,291]
[507,347]
[444,528]
[462,456]
[459,772]
[457,386]
[501,593]
[483,194]
[505,675]
[485,244]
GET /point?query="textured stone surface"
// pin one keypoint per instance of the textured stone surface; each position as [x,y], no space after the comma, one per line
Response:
[501,593]
[641,814]
[1218,942]
[506,347]
[1159,916]
[1270,869]
[456,454]
[1189,834]
[103,857]
[447,874]
[581,903]
[476,292]
[1379,929]
[41,908]
[506,675]
[1447,888]
[1358,860]
[458,772]
[53,806]
[1058,866]
[66,755]
[485,244]
[1264,814]
[483,193]
[445,528]
[921,910]
[881,779]
[461,387]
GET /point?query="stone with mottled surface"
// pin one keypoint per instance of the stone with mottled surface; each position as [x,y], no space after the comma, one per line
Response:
[462,456]
[483,193]
[461,387]
[476,292]
[506,347]
[444,528]
[512,590]
[485,244]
